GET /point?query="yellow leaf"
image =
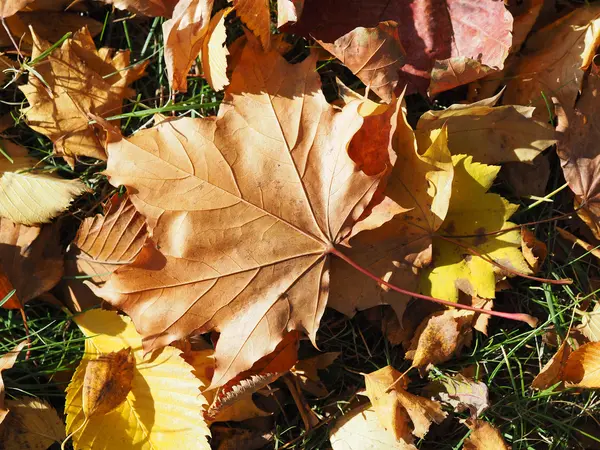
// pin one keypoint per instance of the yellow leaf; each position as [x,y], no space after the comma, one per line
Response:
[401,413]
[29,197]
[32,424]
[583,367]
[473,212]
[163,410]
[214,52]
[360,429]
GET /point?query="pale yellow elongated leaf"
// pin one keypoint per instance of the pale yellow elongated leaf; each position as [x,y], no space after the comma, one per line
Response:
[163,410]
[32,424]
[214,52]
[29,197]
[590,324]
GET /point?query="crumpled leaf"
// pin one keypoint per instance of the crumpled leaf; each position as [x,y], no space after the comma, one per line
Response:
[306,372]
[183,37]
[578,150]
[462,393]
[590,324]
[152,8]
[553,62]
[245,249]
[401,413]
[583,367]
[360,429]
[473,212]
[78,80]
[440,337]
[29,197]
[164,394]
[534,250]
[10,7]
[490,134]
[374,55]
[7,361]
[31,259]
[103,243]
[32,424]
[256,15]
[429,32]
[484,437]
[553,371]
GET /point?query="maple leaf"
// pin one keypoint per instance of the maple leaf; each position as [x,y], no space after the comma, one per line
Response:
[7,361]
[490,134]
[473,212]
[360,429]
[103,243]
[401,413]
[578,151]
[554,60]
[30,197]
[31,424]
[374,55]
[449,32]
[264,223]
[164,394]
[582,368]
[77,80]
[31,260]
[484,437]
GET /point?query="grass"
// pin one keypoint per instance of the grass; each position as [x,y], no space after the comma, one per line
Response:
[506,360]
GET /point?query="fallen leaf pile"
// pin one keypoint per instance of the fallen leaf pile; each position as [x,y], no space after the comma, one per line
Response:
[198,254]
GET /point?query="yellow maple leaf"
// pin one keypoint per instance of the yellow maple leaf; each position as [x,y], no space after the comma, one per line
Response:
[163,409]
[473,212]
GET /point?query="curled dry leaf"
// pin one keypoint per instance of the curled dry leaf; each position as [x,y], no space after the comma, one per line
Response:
[490,134]
[450,32]
[554,60]
[578,150]
[374,55]
[440,337]
[462,393]
[32,424]
[214,52]
[553,371]
[10,7]
[78,80]
[360,429]
[402,414]
[534,250]
[306,372]
[164,394]
[152,8]
[7,361]
[463,250]
[183,36]
[582,369]
[31,259]
[231,438]
[246,248]
[29,197]
[103,243]
[484,437]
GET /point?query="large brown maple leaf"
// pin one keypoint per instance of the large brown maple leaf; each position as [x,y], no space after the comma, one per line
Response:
[245,210]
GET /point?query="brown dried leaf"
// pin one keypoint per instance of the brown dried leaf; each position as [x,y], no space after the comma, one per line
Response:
[484,437]
[583,367]
[288,11]
[78,80]
[256,16]
[245,249]
[152,8]
[214,52]
[553,371]
[374,55]
[462,393]
[534,250]
[11,7]
[306,372]
[528,179]
[7,361]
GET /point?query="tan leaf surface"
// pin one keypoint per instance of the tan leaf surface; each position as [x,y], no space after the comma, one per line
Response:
[484,437]
[256,15]
[152,8]
[214,52]
[583,367]
[31,258]
[360,429]
[578,150]
[461,393]
[452,72]
[183,36]
[401,413]
[440,337]
[288,11]
[374,55]
[491,134]
[32,424]
[534,250]
[553,370]
[7,361]
[30,197]
[82,80]
[590,324]
[10,7]
[245,249]
[553,61]
[307,373]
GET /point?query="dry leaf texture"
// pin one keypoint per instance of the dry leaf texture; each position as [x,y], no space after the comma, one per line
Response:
[32,424]
[484,437]
[583,367]
[7,361]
